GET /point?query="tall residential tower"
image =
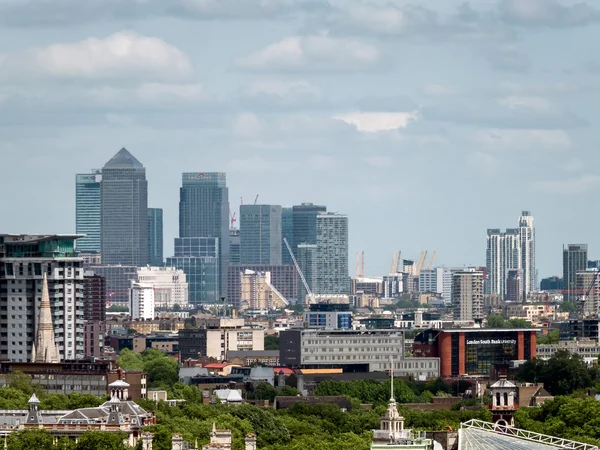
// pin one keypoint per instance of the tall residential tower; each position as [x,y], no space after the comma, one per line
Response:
[332,254]
[124,211]
[527,237]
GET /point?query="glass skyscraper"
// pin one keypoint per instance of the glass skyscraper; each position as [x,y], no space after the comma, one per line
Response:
[88,203]
[260,234]
[124,226]
[287,232]
[199,259]
[155,237]
[204,212]
[332,254]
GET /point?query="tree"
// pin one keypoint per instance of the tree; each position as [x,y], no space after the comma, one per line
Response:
[552,337]
[162,369]
[24,383]
[30,439]
[264,391]
[99,440]
[130,360]
[271,342]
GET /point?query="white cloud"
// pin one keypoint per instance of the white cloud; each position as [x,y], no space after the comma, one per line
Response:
[282,93]
[439,90]
[372,122]
[569,186]
[247,126]
[119,56]
[499,139]
[312,53]
[548,13]
[508,58]
[540,104]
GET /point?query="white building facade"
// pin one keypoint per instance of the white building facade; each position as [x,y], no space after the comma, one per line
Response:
[169,283]
[141,301]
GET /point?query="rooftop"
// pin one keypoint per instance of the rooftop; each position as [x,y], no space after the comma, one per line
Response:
[123,160]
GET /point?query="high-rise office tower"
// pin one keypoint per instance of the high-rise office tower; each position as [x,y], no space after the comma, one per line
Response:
[124,211]
[527,237]
[304,223]
[467,294]
[575,258]
[287,232]
[332,254]
[204,212]
[88,205]
[503,254]
[155,237]
[307,260]
[260,234]
[235,255]
[24,261]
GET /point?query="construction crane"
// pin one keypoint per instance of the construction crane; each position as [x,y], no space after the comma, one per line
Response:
[398,261]
[583,298]
[392,269]
[362,267]
[256,199]
[356,271]
[233,220]
[430,266]
[311,296]
[421,262]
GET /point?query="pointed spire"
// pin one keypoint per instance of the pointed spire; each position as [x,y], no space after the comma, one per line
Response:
[123,160]
[44,349]
[392,399]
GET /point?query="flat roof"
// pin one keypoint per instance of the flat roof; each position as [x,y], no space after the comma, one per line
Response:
[482,330]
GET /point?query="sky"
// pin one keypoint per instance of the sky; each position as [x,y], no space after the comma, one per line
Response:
[425,122]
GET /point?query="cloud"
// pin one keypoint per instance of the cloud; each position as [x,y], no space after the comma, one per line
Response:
[312,53]
[373,122]
[531,140]
[435,90]
[547,13]
[576,185]
[282,94]
[122,55]
[509,59]
[76,12]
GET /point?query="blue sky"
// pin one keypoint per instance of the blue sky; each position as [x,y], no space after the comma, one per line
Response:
[426,122]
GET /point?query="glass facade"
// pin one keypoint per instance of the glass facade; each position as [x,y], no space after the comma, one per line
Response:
[483,350]
[88,204]
[155,237]
[332,254]
[204,212]
[287,232]
[260,234]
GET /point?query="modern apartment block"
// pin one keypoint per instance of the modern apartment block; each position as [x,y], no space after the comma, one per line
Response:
[141,301]
[584,280]
[198,258]
[514,286]
[124,215]
[260,234]
[575,258]
[155,237]
[503,254]
[88,205]
[216,337]
[24,260]
[328,316]
[467,294]
[527,238]
[169,283]
[438,280]
[283,278]
[204,212]
[259,294]
[353,351]
[332,254]
[118,281]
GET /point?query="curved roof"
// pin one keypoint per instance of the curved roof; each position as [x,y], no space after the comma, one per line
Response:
[119,383]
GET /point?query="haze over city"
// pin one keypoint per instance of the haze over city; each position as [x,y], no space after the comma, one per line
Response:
[427,125]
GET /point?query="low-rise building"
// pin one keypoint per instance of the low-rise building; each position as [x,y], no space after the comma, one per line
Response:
[268,358]
[588,349]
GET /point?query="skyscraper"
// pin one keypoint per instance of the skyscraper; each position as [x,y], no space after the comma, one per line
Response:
[124,211]
[332,254]
[260,234]
[25,262]
[527,238]
[307,260]
[575,258]
[467,294]
[88,205]
[155,237]
[204,212]
[304,223]
[287,232]
[235,256]
[503,254]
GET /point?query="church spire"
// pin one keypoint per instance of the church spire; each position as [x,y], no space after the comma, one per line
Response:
[44,349]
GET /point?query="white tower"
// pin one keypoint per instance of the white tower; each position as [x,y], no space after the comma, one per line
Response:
[527,237]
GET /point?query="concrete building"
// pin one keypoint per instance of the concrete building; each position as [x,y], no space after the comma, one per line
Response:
[584,280]
[260,234]
[124,213]
[514,285]
[198,258]
[24,261]
[328,316]
[503,254]
[467,294]
[332,254]
[438,281]
[88,205]
[588,349]
[353,351]
[393,286]
[527,242]
[259,294]
[551,284]
[94,314]
[118,281]
[235,243]
[204,213]
[283,278]
[169,284]
[155,237]
[141,303]
[575,258]
[218,336]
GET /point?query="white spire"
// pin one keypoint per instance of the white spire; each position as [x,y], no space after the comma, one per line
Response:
[392,399]
[44,349]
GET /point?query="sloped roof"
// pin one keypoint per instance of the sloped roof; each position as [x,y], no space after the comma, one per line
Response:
[123,160]
[503,384]
[229,395]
